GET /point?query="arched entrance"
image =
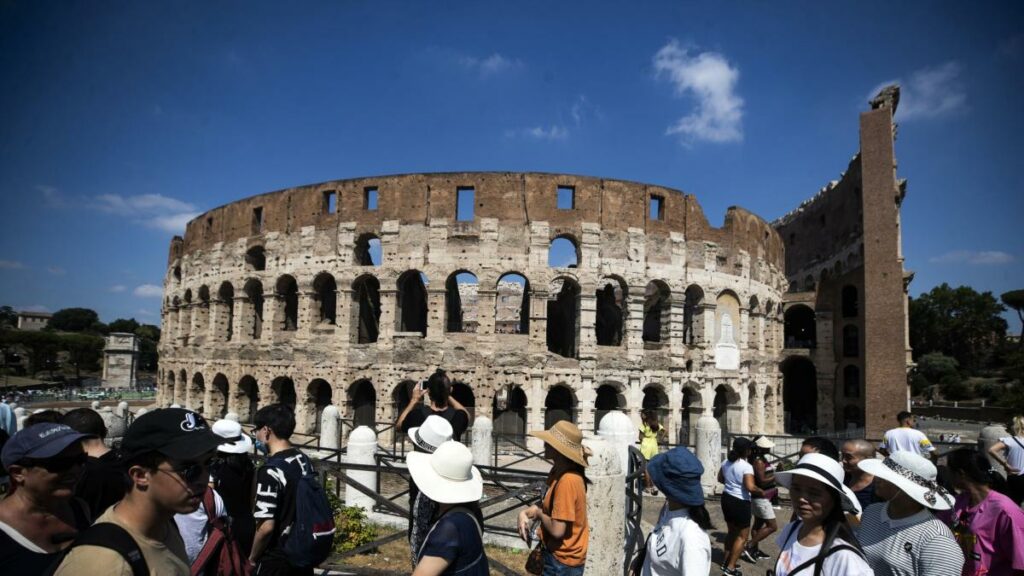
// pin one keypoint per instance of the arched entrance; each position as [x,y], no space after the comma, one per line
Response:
[564,317]
[400,398]
[691,411]
[609,398]
[362,401]
[510,413]
[248,400]
[218,397]
[799,395]
[318,397]
[283,390]
[799,327]
[194,400]
[656,400]
[560,404]
[464,394]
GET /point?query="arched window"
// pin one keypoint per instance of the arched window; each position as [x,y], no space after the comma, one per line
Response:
[247,400]
[851,382]
[226,296]
[366,309]
[693,317]
[611,312]
[800,328]
[318,397]
[851,341]
[326,290]
[256,259]
[512,304]
[368,250]
[564,317]
[564,252]
[362,399]
[609,399]
[218,397]
[464,395]
[560,404]
[461,298]
[850,304]
[287,292]
[283,390]
[254,293]
[411,315]
[657,311]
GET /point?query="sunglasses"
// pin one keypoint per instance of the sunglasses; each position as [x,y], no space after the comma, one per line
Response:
[58,464]
[190,472]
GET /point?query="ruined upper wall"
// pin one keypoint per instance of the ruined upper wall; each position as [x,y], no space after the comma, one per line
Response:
[512,198]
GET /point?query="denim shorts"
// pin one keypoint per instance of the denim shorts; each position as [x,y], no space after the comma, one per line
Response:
[553,567]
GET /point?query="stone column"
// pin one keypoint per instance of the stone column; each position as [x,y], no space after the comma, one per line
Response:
[362,445]
[483,441]
[709,450]
[244,317]
[308,314]
[588,319]
[606,509]
[437,315]
[330,436]
[388,312]
[618,430]
[744,340]
[633,331]
[708,337]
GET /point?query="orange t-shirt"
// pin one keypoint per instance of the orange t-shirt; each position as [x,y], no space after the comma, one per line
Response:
[570,506]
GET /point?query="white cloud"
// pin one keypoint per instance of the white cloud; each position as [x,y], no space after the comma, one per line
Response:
[553,132]
[144,312]
[491,65]
[711,80]
[173,223]
[148,291]
[152,210]
[930,93]
[983,258]
[56,270]
[118,288]
[11,265]
[582,109]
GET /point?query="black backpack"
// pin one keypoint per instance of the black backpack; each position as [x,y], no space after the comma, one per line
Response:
[112,536]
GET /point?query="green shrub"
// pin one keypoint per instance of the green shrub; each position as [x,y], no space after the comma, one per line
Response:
[953,387]
[352,530]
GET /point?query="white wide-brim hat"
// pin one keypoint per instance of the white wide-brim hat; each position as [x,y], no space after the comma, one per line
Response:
[232,430]
[912,474]
[434,432]
[764,443]
[447,476]
[827,471]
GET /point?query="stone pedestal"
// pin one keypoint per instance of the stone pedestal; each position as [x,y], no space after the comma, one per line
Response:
[362,445]
[483,441]
[330,436]
[709,451]
[618,430]
[606,509]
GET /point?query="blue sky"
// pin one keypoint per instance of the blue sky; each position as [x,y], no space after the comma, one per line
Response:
[121,120]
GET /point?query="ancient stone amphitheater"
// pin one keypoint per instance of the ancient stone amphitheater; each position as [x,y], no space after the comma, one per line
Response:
[545,296]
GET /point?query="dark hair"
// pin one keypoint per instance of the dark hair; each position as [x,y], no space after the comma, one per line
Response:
[46,416]
[150,460]
[700,515]
[822,446]
[969,463]
[835,526]
[903,416]
[278,417]
[86,421]
[240,464]
[741,448]
[439,387]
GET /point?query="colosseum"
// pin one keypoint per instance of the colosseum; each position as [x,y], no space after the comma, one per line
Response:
[547,296]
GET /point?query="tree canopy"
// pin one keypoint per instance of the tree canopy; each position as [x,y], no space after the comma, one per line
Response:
[76,320]
[8,317]
[122,325]
[1015,300]
[958,322]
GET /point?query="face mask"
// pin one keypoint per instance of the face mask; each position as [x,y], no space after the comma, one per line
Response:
[261,447]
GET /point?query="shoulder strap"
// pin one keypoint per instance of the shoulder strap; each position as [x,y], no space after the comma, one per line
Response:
[831,551]
[1015,439]
[114,537]
[210,504]
[551,508]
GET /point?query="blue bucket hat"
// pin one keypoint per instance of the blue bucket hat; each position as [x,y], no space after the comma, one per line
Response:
[677,473]
[39,442]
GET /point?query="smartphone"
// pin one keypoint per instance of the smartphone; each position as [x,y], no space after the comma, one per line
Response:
[423,385]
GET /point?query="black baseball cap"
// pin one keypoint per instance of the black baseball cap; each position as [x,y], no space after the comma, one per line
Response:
[176,433]
[740,443]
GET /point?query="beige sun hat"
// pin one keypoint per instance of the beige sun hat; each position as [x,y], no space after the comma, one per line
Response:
[912,474]
[565,437]
[764,443]
[447,476]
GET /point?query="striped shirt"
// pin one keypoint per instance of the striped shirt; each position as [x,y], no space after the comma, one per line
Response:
[918,545]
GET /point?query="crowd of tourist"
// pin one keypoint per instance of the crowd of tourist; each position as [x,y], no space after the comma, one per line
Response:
[182,496]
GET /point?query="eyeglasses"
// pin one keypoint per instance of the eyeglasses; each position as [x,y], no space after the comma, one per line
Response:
[56,465]
[190,472]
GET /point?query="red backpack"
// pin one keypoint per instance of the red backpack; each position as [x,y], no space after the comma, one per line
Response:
[221,553]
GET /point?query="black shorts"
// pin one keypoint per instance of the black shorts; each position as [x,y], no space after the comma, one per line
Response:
[736,510]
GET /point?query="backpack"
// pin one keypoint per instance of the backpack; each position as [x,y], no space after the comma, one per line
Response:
[221,553]
[310,537]
[112,536]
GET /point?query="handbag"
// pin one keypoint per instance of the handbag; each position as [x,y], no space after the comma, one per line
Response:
[535,561]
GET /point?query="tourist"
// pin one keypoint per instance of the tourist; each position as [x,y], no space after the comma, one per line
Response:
[102,483]
[193,525]
[860,482]
[40,516]
[233,476]
[454,543]
[275,506]
[738,476]
[651,432]
[819,541]
[900,536]
[679,543]
[46,416]
[562,517]
[907,437]
[819,445]
[1009,453]
[761,506]
[165,452]
[425,439]
[438,389]
[988,525]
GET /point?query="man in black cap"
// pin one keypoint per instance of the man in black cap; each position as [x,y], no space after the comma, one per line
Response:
[166,452]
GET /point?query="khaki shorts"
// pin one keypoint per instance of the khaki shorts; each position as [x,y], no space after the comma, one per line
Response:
[762,508]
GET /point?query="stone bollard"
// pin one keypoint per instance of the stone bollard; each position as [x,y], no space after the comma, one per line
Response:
[329,424]
[122,409]
[20,414]
[483,441]
[95,405]
[709,451]
[231,416]
[618,429]
[606,509]
[362,445]
[989,436]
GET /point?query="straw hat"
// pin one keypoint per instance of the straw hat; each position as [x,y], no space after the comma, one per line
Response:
[827,471]
[434,432]
[764,443]
[447,476]
[567,439]
[912,474]
[231,430]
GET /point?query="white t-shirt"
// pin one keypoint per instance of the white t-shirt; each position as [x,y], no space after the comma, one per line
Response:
[677,546]
[193,526]
[1014,453]
[733,473]
[907,439]
[793,554]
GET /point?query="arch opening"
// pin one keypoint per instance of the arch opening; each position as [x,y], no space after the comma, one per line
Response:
[368,250]
[318,396]
[248,400]
[287,294]
[254,294]
[325,291]
[510,412]
[609,398]
[693,318]
[283,390]
[512,305]
[256,259]
[219,396]
[799,396]
[564,252]
[563,328]
[226,295]
[366,308]
[411,303]
[611,312]
[799,327]
[657,310]
[559,404]
[362,401]
[461,300]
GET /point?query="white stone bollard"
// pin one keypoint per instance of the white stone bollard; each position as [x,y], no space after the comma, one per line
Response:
[95,405]
[483,441]
[709,451]
[231,416]
[329,424]
[141,412]
[20,414]
[606,509]
[618,429]
[122,409]
[362,445]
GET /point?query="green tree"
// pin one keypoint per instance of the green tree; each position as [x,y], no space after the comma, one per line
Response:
[934,365]
[84,352]
[41,347]
[128,326]
[8,317]
[75,320]
[1015,300]
[953,387]
[958,322]
[149,336]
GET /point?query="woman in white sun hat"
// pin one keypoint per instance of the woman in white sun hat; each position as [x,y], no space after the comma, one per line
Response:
[819,541]
[233,477]
[426,438]
[454,544]
[901,536]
